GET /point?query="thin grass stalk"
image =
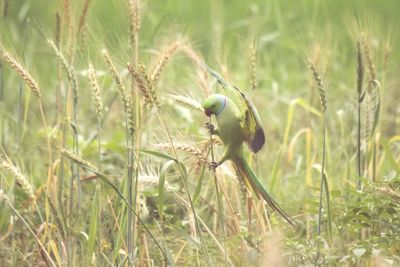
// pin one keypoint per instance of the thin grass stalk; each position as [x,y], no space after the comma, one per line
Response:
[60,107]
[324,182]
[2,140]
[133,172]
[221,214]
[132,200]
[360,78]
[76,145]
[135,17]
[20,101]
[19,113]
[324,185]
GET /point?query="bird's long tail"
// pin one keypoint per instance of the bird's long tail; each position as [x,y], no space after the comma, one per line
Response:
[250,179]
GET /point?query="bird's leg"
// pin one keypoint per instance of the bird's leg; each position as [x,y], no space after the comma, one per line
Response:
[211,129]
[214,164]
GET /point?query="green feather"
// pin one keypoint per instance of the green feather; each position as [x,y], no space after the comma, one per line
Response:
[250,179]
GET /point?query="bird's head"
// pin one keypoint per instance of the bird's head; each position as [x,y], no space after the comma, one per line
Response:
[214,104]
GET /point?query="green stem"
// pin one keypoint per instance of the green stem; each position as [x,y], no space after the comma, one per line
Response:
[221,214]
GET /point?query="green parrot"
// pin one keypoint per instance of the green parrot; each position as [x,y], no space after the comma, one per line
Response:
[239,123]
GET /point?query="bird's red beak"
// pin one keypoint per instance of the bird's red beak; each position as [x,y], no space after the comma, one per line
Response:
[208,112]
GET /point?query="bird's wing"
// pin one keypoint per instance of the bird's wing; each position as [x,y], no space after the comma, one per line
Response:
[249,117]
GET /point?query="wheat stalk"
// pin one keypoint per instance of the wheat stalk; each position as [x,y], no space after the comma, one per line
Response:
[70,28]
[319,83]
[187,148]
[143,86]
[324,181]
[134,25]
[162,62]
[69,70]
[14,64]
[98,102]
[125,98]
[188,101]
[387,52]
[368,55]
[20,179]
[77,159]
[82,18]
[253,66]
[57,35]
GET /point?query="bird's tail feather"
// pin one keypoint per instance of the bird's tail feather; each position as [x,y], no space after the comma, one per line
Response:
[250,179]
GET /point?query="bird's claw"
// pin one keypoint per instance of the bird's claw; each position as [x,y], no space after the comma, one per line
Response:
[213,165]
[210,127]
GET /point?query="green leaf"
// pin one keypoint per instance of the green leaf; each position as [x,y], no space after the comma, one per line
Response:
[199,184]
[94,220]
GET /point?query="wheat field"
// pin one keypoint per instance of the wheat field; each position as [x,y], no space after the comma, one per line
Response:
[106,161]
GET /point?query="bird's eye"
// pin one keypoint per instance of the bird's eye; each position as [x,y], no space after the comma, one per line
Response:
[213,106]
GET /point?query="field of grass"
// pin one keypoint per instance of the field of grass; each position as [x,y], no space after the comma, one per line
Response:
[105,158]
